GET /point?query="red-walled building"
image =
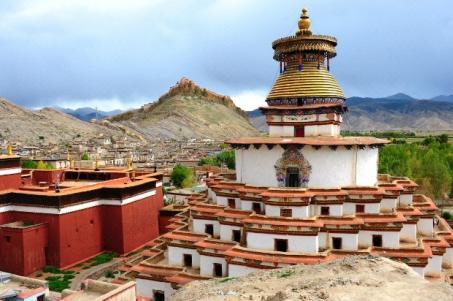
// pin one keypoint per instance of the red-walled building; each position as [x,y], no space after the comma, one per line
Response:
[63,217]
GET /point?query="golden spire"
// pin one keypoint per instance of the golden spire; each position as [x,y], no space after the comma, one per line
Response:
[9,150]
[304,23]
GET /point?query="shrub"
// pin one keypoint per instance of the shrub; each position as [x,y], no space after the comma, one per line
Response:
[181,176]
[447,215]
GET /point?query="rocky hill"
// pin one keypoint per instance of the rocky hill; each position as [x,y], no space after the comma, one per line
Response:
[188,111]
[351,278]
[396,112]
[46,125]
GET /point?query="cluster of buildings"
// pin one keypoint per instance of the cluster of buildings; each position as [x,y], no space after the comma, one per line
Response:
[302,195]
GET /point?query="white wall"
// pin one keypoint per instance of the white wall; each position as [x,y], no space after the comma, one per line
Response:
[389,239]
[409,233]
[350,241]
[176,258]
[322,130]
[447,259]
[350,208]
[388,205]
[425,226]
[145,288]
[207,265]
[406,200]
[226,232]
[240,270]
[330,169]
[281,131]
[223,201]
[434,267]
[296,243]
[198,226]
[247,205]
[335,210]
[419,270]
[298,211]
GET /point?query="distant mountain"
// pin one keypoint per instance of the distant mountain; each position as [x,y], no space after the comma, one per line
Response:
[188,111]
[47,125]
[87,113]
[396,112]
[444,98]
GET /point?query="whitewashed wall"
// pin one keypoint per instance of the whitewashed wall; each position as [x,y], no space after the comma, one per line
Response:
[207,265]
[240,270]
[447,259]
[296,243]
[388,205]
[389,239]
[350,208]
[335,210]
[419,270]
[198,226]
[330,169]
[350,241]
[145,288]
[406,200]
[226,232]
[298,211]
[247,205]
[425,226]
[176,258]
[223,201]
[434,266]
[281,131]
[322,130]
[409,233]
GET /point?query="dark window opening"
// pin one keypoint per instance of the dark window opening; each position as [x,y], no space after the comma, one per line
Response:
[292,177]
[281,245]
[286,212]
[237,235]
[158,296]
[337,243]
[359,208]
[257,208]
[40,298]
[377,241]
[8,238]
[209,229]
[217,269]
[325,210]
[187,260]
[232,203]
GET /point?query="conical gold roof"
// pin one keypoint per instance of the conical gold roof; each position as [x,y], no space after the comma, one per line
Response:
[311,82]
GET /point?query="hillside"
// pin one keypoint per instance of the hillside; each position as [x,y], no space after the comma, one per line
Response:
[87,113]
[351,278]
[396,112]
[188,111]
[18,124]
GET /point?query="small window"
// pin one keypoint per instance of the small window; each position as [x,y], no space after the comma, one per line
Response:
[286,212]
[232,203]
[8,238]
[209,229]
[359,208]
[187,260]
[236,235]
[325,210]
[281,245]
[256,207]
[337,243]
[377,241]
[158,295]
[217,269]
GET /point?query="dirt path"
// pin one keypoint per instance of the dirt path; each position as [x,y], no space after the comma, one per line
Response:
[84,274]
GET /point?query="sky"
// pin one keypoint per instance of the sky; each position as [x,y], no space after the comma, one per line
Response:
[118,54]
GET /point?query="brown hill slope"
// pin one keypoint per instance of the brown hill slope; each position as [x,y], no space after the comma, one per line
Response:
[188,111]
[18,124]
[351,278]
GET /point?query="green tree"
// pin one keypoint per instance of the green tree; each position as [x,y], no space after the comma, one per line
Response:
[226,157]
[29,164]
[85,156]
[41,165]
[436,171]
[181,176]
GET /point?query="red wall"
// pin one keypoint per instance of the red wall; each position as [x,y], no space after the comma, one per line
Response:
[49,176]
[10,182]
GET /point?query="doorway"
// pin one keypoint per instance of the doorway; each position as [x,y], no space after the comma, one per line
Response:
[292,177]
[256,207]
[232,203]
[281,245]
[377,240]
[158,295]
[209,229]
[217,269]
[236,235]
[299,131]
[337,243]
[187,260]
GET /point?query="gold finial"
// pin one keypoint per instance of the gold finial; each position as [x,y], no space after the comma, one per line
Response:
[71,164]
[129,163]
[304,23]
[9,150]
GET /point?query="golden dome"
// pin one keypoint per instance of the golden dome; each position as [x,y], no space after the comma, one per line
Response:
[311,82]
[304,23]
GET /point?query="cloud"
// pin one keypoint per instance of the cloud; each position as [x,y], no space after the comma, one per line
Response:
[250,100]
[120,52]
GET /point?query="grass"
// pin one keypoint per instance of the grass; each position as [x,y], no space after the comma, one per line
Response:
[102,258]
[286,274]
[226,279]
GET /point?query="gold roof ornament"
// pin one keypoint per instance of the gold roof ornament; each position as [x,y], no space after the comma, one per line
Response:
[129,164]
[9,150]
[304,68]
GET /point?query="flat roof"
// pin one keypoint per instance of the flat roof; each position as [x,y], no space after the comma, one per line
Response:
[316,141]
